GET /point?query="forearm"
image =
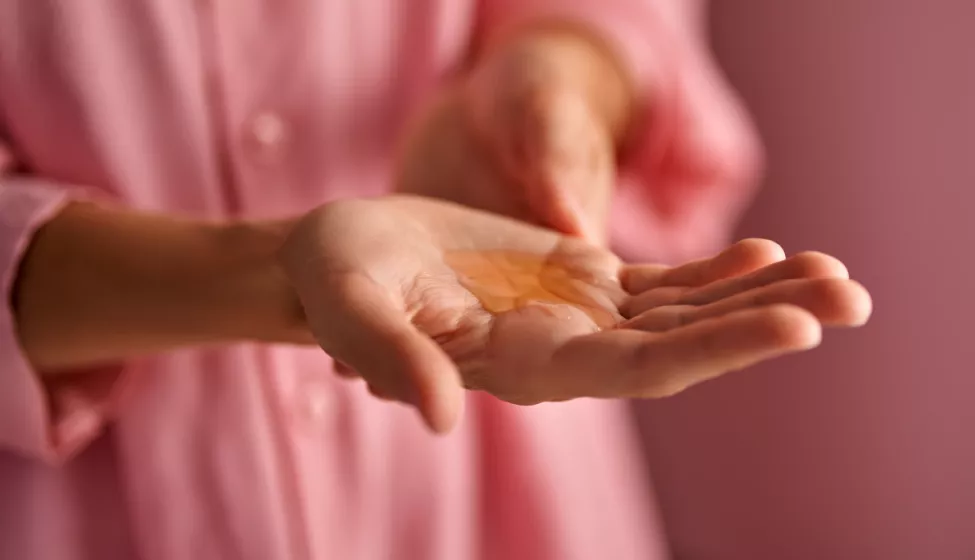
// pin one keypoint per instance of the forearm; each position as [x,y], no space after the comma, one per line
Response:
[99,284]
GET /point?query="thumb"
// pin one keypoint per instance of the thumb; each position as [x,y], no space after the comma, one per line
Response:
[367,331]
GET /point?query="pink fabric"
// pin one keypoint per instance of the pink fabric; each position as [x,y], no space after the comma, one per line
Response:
[864,448]
[261,108]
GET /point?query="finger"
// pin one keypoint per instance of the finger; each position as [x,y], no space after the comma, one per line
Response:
[370,333]
[833,301]
[741,258]
[803,265]
[667,295]
[629,363]
[567,161]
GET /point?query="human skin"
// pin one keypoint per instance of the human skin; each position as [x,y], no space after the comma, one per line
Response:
[383,273]
[532,131]
[150,283]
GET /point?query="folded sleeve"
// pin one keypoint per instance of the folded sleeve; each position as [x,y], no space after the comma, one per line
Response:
[693,159]
[44,421]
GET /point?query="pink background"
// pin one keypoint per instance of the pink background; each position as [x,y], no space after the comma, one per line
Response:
[863,449]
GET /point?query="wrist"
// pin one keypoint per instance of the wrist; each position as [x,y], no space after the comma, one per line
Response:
[258,299]
[100,284]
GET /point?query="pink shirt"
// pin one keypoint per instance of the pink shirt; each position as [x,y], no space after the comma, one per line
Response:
[257,108]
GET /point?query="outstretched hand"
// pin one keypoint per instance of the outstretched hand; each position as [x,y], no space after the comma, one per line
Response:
[423,299]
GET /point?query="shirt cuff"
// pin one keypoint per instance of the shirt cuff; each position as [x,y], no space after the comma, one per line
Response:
[46,421]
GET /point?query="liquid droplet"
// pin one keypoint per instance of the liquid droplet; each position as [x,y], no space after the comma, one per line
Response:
[507,280]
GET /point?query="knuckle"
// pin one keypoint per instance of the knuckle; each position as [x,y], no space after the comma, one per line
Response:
[831,289]
[779,324]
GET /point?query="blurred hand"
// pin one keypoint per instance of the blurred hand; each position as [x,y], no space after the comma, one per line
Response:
[376,280]
[530,133]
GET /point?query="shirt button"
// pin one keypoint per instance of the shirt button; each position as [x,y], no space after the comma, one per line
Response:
[269,133]
[317,406]
[316,402]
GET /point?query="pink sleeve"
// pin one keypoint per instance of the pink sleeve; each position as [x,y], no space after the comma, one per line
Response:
[695,158]
[49,422]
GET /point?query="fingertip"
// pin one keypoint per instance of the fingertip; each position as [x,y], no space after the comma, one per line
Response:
[557,208]
[745,256]
[838,302]
[791,327]
[439,395]
[759,250]
[443,414]
[859,304]
[442,407]
[815,264]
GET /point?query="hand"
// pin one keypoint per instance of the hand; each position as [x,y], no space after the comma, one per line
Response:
[530,133]
[380,286]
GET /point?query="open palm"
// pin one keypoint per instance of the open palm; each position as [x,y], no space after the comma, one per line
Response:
[422,298]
